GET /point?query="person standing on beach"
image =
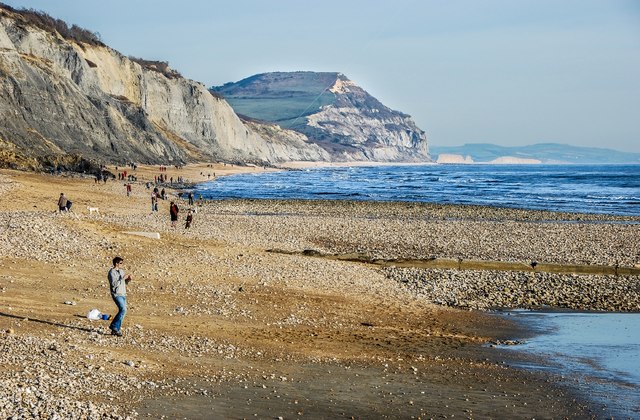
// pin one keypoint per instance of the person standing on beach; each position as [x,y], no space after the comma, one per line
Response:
[118,286]
[173,212]
[62,203]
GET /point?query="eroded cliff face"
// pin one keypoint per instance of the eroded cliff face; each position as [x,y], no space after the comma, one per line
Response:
[59,96]
[373,131]
[333,112]
[281,137]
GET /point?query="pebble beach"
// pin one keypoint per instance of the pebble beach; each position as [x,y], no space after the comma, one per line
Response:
[252,313]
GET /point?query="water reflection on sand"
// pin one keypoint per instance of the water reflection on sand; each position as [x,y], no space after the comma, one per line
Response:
[597,352]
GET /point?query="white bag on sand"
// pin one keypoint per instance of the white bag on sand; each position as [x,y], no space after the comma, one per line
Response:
[94,315]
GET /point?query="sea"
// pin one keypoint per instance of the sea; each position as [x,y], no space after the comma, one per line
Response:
[605,189]
[598,354]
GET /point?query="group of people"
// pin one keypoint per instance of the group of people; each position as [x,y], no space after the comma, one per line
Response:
[173,213]
[174,210]
[159,179]
[122,177]
[64,204]
[100,177]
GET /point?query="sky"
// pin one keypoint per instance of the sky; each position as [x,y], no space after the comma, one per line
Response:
[506,72]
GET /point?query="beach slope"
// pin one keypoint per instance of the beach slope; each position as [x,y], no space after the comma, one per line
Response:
[244,315]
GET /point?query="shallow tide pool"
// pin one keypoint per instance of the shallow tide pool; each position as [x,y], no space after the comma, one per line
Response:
[599,353]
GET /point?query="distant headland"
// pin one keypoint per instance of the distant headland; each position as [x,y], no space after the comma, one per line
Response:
[546,153]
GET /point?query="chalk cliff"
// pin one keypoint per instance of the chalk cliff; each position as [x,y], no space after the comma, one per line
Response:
[331,111]
[60,95]
[453,158]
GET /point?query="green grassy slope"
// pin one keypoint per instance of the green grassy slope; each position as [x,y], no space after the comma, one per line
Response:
[282,98]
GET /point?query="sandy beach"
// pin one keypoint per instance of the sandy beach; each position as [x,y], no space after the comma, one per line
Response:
[256,311]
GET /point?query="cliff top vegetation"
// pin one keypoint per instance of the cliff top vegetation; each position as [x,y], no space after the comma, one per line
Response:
[159,66]
[52,25]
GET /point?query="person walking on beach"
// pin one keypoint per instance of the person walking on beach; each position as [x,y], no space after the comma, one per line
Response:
[62,203]
[118,286]
[189,219]
[173,212]
[154,202]
[190,198]
[128,190]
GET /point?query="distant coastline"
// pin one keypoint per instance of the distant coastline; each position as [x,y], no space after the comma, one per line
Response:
[545,153]
[502,160]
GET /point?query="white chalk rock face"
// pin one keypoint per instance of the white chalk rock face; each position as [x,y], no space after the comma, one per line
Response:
[62,96]
[453,158]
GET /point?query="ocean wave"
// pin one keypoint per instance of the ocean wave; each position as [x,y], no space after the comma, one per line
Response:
[339,194]
[613,197]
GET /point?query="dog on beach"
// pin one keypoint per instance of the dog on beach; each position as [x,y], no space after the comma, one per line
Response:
[93,210]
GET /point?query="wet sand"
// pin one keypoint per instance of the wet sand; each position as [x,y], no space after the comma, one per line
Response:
[220,326]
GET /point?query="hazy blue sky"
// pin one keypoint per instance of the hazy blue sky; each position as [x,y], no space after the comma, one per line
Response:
[510,72]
